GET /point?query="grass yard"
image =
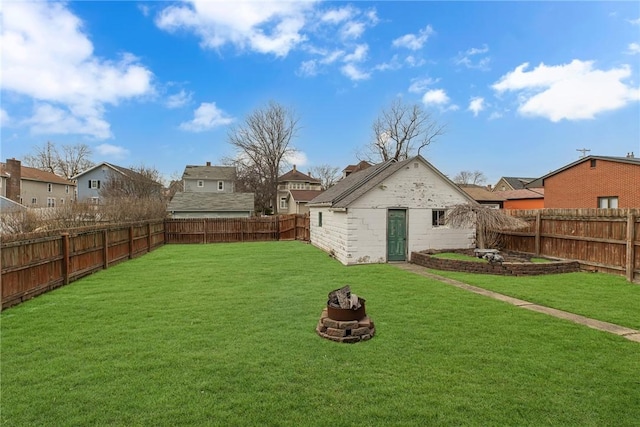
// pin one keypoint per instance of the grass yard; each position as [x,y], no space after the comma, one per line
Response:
[224,335]
[600,296]
[458,257]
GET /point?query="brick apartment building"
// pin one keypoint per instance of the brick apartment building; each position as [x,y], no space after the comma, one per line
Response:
[594,182]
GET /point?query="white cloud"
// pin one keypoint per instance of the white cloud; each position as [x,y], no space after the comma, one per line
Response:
[393,64]
[571,91]
[336,16]
[412,41]
[179,99]
[298,158]
[476,105]
[206,117]
[438,98]
[412,61]
[112,151]
[352,30]
[359,54]
[47,57]
[495,115]
[354,73]
[420,85]
[308,68]
[633,48]
[5,120]
[634,21]
[474,58]
[272,27]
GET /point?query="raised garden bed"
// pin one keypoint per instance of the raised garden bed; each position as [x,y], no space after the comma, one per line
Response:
[515,264]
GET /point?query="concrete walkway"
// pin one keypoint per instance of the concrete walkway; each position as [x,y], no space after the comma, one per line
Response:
[628,333]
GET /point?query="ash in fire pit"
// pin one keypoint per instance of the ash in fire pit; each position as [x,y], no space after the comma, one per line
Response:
[345,319]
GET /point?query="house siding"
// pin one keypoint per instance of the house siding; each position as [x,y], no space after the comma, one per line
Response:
[210,186]
[101,174]
[332,236]
[40,191]
[230,214]
[581,185]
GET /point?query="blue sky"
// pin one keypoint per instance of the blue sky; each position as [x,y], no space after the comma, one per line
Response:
[520,85]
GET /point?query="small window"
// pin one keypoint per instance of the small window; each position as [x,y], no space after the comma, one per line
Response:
[438,217]
[95,200]
[66,189]
[283,203]
[94,184]
[49,188]
[220,185]
[608,202]
[51,202]
[593,163]
[200,183]
[62,201]
[34,201]
[319,219]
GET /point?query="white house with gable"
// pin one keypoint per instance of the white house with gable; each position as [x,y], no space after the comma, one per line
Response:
[386,211]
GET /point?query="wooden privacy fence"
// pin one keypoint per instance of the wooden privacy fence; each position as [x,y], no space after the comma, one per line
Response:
[600,239]
[40,262]
[218,230]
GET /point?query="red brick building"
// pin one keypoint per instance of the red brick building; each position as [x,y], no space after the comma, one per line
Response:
[594,182]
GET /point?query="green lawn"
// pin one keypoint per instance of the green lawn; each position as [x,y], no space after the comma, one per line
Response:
[600,296]
[458,257]
[224,335]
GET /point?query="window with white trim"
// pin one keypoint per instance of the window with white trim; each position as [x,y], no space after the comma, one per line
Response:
[51,202]
[34,201]
[94,184]
[200,183]
[49,188]
[438,217]
[220,185]
[66,189]
[283,203]
[608,202]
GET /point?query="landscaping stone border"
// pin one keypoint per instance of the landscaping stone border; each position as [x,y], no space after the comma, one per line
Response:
[425,259]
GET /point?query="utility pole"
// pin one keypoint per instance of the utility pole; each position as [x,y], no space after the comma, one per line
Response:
[584,151]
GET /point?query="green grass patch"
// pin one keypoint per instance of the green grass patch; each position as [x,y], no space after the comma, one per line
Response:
[536,260]
[224,335]
[458,257]
[597,295]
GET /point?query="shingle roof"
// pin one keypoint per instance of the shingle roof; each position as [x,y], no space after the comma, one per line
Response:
[518,183]
[33,174]
[304,195]
[524,193]
[223,173]
[211,202]
[125,171]
[480,193]
[348,189]
[296,175]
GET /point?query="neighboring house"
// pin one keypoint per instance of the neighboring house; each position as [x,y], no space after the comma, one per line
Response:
[7,205]
[295,191]
[355,168]
[594,182]
[386,211]
[483,195]
[209,192]
[507,183]
[524,198]
[92,180]
[33,187]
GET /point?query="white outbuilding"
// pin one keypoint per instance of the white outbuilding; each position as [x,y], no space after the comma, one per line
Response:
[386,211]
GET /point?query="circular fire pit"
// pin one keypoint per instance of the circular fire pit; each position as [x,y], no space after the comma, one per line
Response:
[347,325]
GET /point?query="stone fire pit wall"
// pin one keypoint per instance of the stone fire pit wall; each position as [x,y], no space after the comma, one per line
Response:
[347,331]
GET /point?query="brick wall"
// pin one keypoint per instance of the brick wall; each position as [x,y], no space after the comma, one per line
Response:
[581,185]
[504,269]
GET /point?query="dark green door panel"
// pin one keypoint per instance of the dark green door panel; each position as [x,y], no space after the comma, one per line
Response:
[397,235]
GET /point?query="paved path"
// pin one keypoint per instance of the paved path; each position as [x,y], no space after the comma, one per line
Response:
[628,333]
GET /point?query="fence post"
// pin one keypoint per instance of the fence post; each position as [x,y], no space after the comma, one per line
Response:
[65,258]
[631,257]
[105,241]
[149,236]
[277,217]
[130,241]
[538,230]
[204,229]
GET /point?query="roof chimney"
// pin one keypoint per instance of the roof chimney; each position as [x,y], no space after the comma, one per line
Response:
[14,169]
[294,167]
[630,155]
[208,163]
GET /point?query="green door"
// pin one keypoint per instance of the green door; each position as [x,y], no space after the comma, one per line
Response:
[397,235]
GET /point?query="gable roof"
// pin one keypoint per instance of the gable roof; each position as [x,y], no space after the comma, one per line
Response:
[7,205]
[480,193]
[515,182]
[628,160]
[222,173]
[33,174]
[355,168]
[211,202]
[349,189]
[119,169]
[304,195]
[296,175]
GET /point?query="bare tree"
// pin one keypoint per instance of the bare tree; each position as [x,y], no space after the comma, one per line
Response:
[328,175]
[263,141]
[401,131]
[66,160]
[138,182]
[250,179]
[468,177]
[489,222]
